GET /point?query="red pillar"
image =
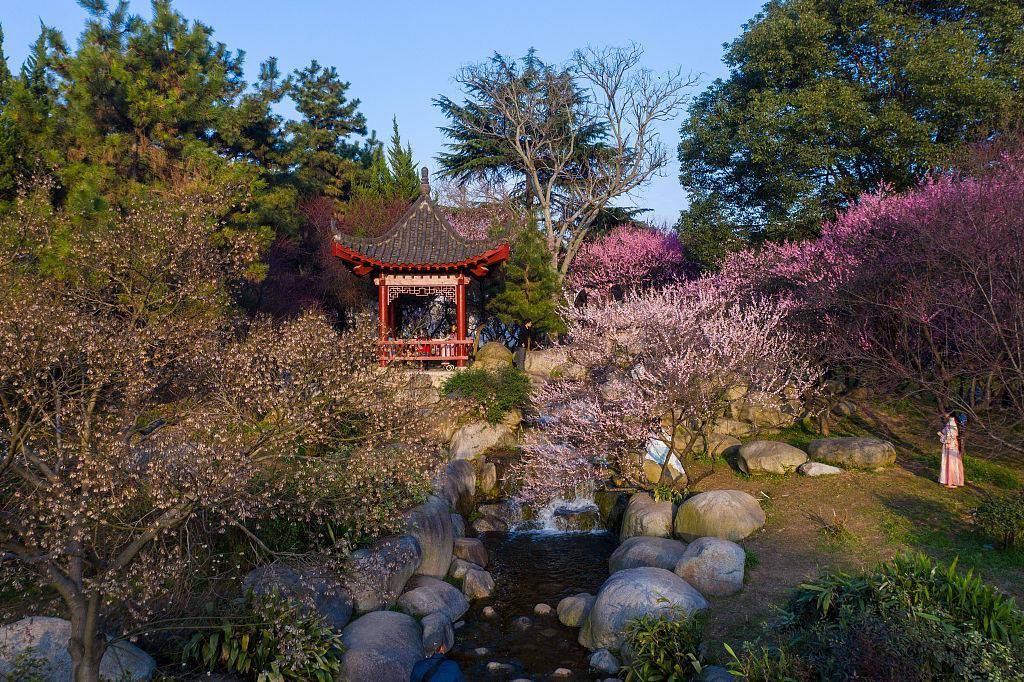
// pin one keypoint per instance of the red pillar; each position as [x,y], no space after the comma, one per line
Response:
[382,313]
[460,314]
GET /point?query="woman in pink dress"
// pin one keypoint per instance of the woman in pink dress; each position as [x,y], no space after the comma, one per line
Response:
[951,471]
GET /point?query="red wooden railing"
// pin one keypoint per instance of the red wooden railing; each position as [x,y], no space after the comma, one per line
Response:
[435,350]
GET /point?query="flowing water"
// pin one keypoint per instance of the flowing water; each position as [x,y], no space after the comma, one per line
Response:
[532,567]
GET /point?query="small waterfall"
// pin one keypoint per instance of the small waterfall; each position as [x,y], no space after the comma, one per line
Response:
[564,516]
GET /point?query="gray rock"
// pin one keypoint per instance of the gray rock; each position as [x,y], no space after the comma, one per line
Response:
[611,505]
[46,640]
[437,634]
[713,566]
[475,439]
[576,517]
[769,457]
[548,363]
[456,485]
[381,646]
[498,668]
[313,588]
[818,469]
[572,610]
[488,524]
[493,355]
[471,550]
[604,662]
[732,427]
[376,575]
[489,612]
[522,623]
[860,453]
[542,609]
[508,511]
[460,567]
[425,595]
[716,673]
[561,672]
[488,479]
[477,584]
[458,525]
[646,551]
[633,593]
[431,524]
[719,444]
[646,517]
[726,514]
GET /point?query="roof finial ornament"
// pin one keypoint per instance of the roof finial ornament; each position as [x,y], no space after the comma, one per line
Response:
[424,181]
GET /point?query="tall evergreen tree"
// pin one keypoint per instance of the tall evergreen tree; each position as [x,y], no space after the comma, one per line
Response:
[826,99]
[321,140]
[525,296]
[6,79]
[403,171]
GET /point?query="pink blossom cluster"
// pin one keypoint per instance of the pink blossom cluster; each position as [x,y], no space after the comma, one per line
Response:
[629,256]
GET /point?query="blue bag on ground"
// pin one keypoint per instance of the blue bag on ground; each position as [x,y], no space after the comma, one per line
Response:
[437,668]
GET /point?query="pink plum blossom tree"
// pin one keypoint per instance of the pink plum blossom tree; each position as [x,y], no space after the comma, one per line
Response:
[629,256]
[660,364]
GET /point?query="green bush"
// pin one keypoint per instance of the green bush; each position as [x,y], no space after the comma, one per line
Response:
[271,640]
[665,647]
[1002,517]
[497,392]
[907,619]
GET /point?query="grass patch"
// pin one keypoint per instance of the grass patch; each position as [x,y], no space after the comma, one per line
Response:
[981,471]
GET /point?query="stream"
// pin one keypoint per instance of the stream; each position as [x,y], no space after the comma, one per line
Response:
[530,567]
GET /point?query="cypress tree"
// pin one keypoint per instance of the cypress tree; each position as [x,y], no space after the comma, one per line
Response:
[526,295]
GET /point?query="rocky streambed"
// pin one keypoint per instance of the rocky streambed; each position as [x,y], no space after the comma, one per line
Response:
[516,633]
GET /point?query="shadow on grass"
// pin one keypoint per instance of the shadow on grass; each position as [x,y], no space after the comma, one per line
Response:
[940,532]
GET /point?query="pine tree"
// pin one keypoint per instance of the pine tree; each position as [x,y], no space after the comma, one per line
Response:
[6,80]
[526,295]
[404,178]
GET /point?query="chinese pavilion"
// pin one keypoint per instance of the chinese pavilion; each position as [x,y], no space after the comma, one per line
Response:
[421,255]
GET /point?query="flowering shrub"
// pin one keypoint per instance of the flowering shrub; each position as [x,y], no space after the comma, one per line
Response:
[922,290]
[141,417]
[629,256]
[657,364]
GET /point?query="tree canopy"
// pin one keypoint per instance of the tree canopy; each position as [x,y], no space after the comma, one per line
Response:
[826,99]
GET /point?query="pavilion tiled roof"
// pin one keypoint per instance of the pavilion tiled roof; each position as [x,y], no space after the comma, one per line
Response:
[421,237]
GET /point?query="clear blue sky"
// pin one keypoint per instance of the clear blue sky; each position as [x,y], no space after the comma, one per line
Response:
[399,55]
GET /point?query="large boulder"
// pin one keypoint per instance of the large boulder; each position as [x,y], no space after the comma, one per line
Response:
[633,593]
[492,355]
[764,411]
[460,567]
[431,524]
[458,526]
[471,550]
[644,516]
[573,610]
[732,427]
[313,588]
[861,453]
[726,514]
[611,506]
[488,523]
[550,363]
[46,640]
[713,566]
[475,439]
[382,646]
[488,477]
[426,595]
[376,575]
[769,457]
[456,484]
[645,551]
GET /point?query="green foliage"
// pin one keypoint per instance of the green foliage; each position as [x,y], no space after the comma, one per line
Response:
[392,173]
[26,667]
[664,647]
[667,493]
[273,640]
[1002,517]
[906,619]
[526,293]
[828,98]
[497,392]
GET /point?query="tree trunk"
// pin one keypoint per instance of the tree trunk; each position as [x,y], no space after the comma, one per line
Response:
[85,647]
